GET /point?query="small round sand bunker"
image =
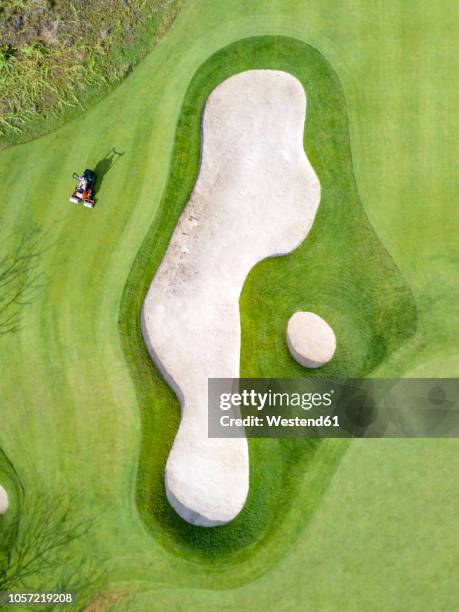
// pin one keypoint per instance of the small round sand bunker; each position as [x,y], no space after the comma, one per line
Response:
[310,339]
[3,500]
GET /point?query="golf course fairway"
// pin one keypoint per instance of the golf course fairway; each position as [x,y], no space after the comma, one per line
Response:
[87,420]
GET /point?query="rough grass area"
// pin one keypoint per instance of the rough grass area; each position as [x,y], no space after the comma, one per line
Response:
[58,55]
[353,283]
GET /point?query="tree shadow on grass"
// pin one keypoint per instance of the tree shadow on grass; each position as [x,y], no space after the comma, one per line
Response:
[20,275]
[40,545]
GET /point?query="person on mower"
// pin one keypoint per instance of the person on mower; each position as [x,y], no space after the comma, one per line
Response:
[84,191]
[83,183]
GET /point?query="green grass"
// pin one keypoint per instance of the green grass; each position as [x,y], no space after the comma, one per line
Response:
[384,529]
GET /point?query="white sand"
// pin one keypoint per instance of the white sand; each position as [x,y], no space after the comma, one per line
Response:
[310,339]
[4,503]
[256,196]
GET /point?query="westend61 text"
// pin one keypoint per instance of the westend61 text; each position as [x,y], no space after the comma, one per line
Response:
[278,421]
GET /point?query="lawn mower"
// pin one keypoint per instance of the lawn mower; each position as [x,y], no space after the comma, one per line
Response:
[84,191]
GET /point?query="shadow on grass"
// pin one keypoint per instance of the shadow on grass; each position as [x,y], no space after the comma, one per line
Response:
[40,544]
[20,275]
[104,165]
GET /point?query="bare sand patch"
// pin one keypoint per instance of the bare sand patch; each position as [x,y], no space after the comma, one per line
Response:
[310,339]
[256,196]
[4,502]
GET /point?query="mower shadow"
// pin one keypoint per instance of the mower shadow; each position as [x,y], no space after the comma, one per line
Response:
[105,165]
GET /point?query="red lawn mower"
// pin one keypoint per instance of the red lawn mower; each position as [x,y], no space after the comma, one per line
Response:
[84,191]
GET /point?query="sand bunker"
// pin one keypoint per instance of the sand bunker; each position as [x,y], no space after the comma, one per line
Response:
[4,503]
[310,339]
[256,196]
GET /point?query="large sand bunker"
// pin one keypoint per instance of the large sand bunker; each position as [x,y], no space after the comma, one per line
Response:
[256,196]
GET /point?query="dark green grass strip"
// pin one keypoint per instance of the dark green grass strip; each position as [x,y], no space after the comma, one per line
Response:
[341,272]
